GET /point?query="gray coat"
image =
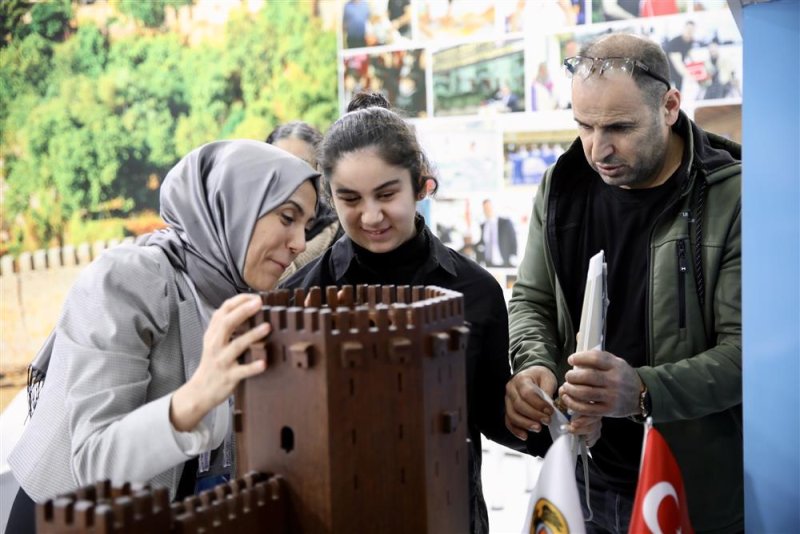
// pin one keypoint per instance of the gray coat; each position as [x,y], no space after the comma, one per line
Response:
[128,336]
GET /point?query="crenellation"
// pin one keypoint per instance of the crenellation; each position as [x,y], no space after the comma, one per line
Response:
[277,318]
[313,298]
[341,321]
[97,248]
[311,320]
[84,253]
[294,317]
[7,266]
[331,297]
[25,262]
[63,508]
[84,515]
[298,296]
[54,260]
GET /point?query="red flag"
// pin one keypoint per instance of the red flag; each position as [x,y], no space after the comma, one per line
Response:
[660,506]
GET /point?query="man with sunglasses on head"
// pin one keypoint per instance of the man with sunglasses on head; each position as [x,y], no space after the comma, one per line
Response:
[661,198]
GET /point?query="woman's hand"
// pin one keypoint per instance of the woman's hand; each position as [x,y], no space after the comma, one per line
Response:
[219,372]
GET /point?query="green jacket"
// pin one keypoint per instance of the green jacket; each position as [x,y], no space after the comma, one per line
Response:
[694,336]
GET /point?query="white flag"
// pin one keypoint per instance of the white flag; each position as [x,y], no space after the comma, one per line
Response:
[592,330]
[555,507]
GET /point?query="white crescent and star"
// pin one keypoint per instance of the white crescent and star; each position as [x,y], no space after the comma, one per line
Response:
[652,500]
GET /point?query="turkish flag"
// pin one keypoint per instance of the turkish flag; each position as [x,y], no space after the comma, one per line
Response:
[660,506]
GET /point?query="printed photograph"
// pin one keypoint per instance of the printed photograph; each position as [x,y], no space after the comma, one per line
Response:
[704,50]
[455,19]
[526,155]
[536,16]
[614,10]
[375,22]
[482,77]
[465,156]
[399,75]
[724,120]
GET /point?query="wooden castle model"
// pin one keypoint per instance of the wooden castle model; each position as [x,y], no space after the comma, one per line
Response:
[362,409]
[361,414]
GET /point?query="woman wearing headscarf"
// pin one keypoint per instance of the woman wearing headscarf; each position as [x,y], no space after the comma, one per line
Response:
[141,365]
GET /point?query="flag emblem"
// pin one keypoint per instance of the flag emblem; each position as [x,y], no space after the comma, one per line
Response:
[548,519]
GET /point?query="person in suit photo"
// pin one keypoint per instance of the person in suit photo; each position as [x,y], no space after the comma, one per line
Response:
[498,243]
[135,381]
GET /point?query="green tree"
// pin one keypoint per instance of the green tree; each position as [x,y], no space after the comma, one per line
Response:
[151,13]
[286,65]
[11,13]
[50,19]
[91,125]
[91,51]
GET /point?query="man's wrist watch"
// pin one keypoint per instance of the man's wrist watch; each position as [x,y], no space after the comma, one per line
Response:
[645,406]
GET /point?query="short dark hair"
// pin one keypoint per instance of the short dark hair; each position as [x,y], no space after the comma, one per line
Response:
[641,49]
[383,130]
[296,130]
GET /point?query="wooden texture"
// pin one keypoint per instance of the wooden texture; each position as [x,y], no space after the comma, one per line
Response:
[362,408]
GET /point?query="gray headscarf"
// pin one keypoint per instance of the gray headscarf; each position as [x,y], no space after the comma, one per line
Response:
[211,201]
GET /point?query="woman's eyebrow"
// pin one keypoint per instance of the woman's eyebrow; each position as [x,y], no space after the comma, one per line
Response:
[297,206]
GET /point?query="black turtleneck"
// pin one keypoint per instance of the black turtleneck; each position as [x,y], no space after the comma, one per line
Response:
[400,266]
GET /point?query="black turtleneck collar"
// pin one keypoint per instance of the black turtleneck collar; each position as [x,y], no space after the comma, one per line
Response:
[398,266]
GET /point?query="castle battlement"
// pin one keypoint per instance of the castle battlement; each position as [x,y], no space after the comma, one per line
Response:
[245,505]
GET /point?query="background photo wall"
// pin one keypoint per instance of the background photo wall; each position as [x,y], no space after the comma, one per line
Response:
[484,86]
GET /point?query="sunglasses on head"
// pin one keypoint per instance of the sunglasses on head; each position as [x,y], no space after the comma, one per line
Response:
[584,67]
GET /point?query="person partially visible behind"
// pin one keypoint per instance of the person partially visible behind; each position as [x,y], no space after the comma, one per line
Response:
[354,23]
[662,199]
[376,172]
[301,139]
[135,382]
[677,50]
[498,242]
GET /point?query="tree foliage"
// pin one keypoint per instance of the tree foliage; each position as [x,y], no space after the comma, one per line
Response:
[11,14]
[151,13]
[91,125]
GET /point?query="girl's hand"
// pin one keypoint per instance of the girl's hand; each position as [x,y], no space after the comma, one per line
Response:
[219,373]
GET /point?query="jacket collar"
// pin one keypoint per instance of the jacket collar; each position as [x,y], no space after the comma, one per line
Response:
[343,254]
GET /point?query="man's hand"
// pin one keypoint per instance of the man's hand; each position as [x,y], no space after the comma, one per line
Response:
[525,409]
[587,427]
[601,384]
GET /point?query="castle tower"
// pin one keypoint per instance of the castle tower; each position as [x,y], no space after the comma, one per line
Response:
[362,409]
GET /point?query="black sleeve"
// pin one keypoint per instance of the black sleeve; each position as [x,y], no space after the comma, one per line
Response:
[487,356]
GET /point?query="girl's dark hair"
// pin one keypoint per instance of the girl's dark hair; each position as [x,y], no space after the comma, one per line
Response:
[367,99]
[297,130]
[370,123]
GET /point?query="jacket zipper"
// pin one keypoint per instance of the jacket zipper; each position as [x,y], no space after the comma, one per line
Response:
[682,268]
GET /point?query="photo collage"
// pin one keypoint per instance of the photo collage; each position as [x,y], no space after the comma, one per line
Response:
[483,83]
